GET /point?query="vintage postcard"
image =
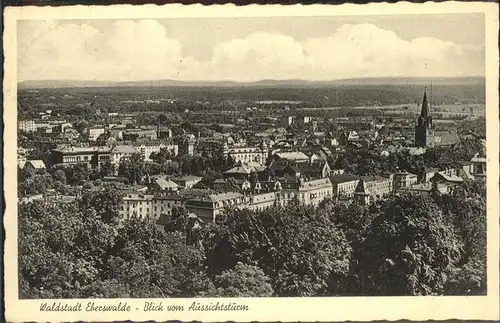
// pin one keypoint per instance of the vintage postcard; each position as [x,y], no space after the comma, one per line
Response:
[259,163]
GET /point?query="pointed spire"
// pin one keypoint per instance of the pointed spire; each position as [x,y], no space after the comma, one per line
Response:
[361,188]
[425,107]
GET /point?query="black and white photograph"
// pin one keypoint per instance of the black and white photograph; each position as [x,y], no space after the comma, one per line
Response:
[248,157]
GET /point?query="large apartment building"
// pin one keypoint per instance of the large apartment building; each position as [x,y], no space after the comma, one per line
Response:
[149,206]
[91,156]
[305,192]
[147,148]
[248,154]
[208,207]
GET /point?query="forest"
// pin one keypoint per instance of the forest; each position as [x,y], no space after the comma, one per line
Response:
[80,101]
[424,244]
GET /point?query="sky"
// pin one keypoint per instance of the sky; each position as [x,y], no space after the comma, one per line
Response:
[251,49]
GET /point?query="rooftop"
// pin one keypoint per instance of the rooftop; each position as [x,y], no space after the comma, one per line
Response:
[187,178]
[165,184]
[82,150]
[124,150]
[218,197]
[337,179]
[294,155]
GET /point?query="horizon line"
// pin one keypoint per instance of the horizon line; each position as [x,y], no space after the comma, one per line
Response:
[255,81]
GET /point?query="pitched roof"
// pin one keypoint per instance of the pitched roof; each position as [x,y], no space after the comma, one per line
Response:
[449,178]
[478,159]
[245,169]
[165,184]
[277,165]
[465,174]
[218,197]
[239,170]
[294,155]
[361,188]
[124,150]
[309,168]
[37,163]
[337,179]
[187,178]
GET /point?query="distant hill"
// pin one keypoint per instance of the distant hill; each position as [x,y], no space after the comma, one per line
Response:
[46,84]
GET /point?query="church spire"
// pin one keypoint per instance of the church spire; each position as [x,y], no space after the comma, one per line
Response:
[425,106]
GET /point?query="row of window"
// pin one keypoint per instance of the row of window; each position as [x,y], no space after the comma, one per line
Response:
[71,159]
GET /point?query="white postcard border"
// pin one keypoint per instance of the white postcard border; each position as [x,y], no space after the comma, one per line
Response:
[260,309]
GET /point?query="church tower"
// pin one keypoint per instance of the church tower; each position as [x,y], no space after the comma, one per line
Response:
[424,129]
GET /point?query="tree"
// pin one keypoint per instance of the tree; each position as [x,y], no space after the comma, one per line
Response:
[79,174]
[105,200]
[107,169]
[60,176]
[37,184]
[302,266]
[60,250]
[154,263]
[410,249]
[162,157]
[28,172]
[133,169]
[466,209]
[243,281]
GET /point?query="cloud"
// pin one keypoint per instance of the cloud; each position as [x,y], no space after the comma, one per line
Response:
[129,50]
[143,50]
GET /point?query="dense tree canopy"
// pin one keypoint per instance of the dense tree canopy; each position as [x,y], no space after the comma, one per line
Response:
[411,244]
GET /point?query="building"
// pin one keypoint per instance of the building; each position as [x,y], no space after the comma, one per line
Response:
[164,132]
[148,206]
[147,148]
[427,174]
[318,169]
[187,182]
[248,154]
[424,130]
[314,191]
[137,204]
[94,132]
[165,204]
[479,165]
[378,186]
[261,201]
[404,180]
[120,153]
[303,192]
[467,166]
[208,207]
[293,156]
[244,171]
[303,120]
[362,194]
[91,156]
[186,145]
[134,134]
[37,165]
[343,186]
[286,121]
[161,184]
[27,125]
